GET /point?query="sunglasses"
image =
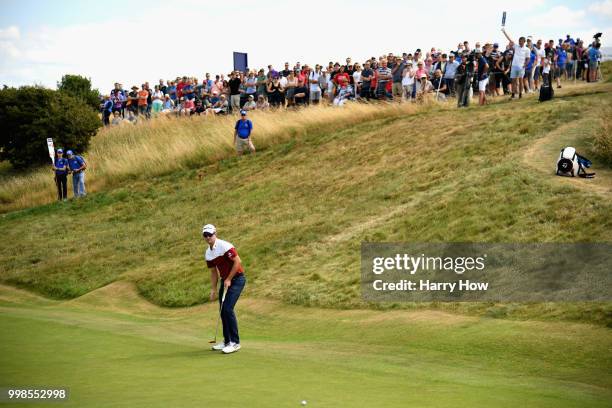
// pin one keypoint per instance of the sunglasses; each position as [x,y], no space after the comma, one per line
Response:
[207,235]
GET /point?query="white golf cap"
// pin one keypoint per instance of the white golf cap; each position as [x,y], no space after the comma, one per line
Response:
[209,228]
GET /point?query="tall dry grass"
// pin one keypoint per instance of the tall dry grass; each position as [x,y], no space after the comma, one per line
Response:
[168,144]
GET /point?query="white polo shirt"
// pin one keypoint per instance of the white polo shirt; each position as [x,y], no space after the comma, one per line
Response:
[520,55]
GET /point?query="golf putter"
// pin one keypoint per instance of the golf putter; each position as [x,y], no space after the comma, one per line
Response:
[218,318]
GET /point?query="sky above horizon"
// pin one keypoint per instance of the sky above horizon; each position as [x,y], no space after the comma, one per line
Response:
[137,41]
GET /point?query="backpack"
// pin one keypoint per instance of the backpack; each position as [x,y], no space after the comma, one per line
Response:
[546,93]
[571,164]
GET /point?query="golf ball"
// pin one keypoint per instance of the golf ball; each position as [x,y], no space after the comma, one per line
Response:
[304,402]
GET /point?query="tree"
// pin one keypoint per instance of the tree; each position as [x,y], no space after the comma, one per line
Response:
[31,114]
[80,88]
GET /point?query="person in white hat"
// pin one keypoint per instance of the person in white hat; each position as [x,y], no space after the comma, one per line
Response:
[223,261]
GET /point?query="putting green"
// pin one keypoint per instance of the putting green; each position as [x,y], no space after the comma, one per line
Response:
[113,349]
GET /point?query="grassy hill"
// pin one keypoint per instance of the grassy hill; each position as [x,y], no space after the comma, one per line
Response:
[323,181]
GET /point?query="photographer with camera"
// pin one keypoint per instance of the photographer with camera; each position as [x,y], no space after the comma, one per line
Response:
[594,55]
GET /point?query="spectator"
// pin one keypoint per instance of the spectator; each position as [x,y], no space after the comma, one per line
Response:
[168,104]
[483,76]
[143,95]
[519,62]
[77,167]
[396,74]
[289,83]
[60,168]
[561,60]
[262,83]
[117,119]
[132,103]
[198,109]
[356,80]
[449,74]
[285,72]
[438,85]
[262,104]
[463,79]
[366,80]
[274,91]
[187,107]
[408,81]
[537,69]
[594,59]
[504,65]
[242,134]
[314,83]
[221,107]
[384,76]
[250,104]
[107,110]
[251,86]
[118,98]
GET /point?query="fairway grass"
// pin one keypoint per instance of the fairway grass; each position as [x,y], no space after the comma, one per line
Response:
[124,352]
[298,210]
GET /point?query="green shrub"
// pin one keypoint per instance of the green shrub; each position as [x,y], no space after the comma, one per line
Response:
[80,87]
[31,114]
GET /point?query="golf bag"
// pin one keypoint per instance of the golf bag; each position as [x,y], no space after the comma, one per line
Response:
[546,92]
[571,164]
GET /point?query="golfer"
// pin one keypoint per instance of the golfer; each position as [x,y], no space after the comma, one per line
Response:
[242,134]
[223,260]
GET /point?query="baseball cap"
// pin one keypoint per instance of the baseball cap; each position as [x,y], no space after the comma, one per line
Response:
[243,112]
[209,228]
[69,152]
[60,150]
[495,45]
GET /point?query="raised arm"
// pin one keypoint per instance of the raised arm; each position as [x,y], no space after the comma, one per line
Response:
[507,36]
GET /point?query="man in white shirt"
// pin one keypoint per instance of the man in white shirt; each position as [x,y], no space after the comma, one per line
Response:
[519,63]
[540,55]
[315,89]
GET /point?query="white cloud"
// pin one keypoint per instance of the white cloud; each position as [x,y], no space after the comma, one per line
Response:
[9,33]
[603,7]
[560,17]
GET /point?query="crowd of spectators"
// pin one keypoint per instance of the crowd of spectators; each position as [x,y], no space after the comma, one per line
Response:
[486,69]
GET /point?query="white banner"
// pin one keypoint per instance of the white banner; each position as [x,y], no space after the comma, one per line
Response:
[51,149]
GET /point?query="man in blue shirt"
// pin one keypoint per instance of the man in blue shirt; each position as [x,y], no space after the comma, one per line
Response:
[483,76]
[77,167]
[60,168]
[107,110]
[242,134]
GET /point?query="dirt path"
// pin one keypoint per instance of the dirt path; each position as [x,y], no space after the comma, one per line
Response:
[542,155]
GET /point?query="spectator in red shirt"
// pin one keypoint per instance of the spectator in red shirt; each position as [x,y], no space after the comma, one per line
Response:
[223,261]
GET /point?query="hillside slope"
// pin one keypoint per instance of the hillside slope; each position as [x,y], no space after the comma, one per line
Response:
[300,208]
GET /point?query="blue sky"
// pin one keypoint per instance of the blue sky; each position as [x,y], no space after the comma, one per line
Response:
[135,41]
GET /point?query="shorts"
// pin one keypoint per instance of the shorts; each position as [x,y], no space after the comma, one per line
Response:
[482,84]
[242,144]
[517,72]
[593,65]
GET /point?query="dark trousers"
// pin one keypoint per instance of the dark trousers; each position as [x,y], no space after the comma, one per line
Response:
[228,317]
[61,181]
[106,118]
[450,85]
